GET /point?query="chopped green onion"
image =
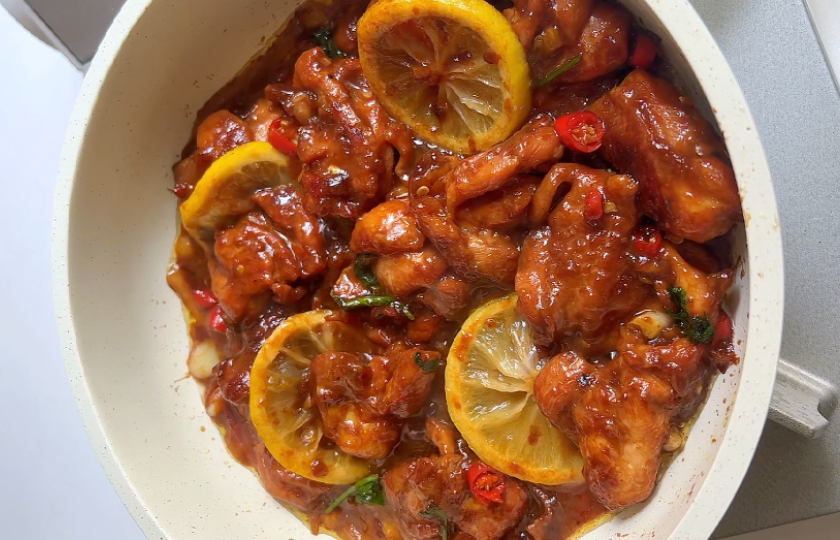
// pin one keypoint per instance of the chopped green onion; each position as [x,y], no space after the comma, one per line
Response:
[373,300]
[426,366]
[324,40]
[368,490]
[364,272]
[698,329]
[433,512]
[561,69]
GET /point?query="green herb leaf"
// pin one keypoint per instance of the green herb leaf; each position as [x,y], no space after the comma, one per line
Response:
[559,70]
[364,272]
[324,40]
[433,512]
[426,366]
[680,298]
[374,300]
[368,490]
[696,328]
[700,330]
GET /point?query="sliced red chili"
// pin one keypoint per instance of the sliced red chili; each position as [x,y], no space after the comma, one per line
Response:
[205,299]
[279,140]
[594,207]
[582,131]
[647,241]
[487,484]
[724,331]
[182,191]
[644,52]
[215,320]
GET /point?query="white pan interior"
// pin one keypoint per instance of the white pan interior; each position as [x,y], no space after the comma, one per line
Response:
[121,327]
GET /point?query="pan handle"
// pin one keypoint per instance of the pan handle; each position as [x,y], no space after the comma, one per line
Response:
[802,402]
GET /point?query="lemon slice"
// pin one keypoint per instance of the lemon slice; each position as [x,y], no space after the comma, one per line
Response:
[452,70]
[281,408]
[490,376]
[225,189]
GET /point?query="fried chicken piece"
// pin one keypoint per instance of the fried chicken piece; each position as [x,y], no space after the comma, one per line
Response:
[554,24]
[535,144]
[502,209]
[620,414]
[258,255]
[687,184]
[283,205]
[387,229]
[219,133]
[348,144]
[286,486]
[362,404]
[603,45]
[574,276]
[348,286]
[249,258]
[345,28]
[480,254]
[261,116]
[447,296]
[475,253]
[403,274]
[413,486]
[705,291]
[559,100]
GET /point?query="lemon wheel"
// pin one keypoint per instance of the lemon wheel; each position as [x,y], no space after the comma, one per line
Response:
[281,408]
[490,376]
[224,191]
[452,70]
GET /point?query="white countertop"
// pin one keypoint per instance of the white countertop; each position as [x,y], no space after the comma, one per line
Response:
[51,485]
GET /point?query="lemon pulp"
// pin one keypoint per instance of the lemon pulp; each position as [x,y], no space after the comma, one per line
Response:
[452,70]
[490,375]
[280,404]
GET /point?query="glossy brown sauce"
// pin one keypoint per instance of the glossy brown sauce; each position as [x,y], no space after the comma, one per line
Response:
[552,512]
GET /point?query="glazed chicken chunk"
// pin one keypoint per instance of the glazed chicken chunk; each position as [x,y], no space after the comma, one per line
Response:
[347,141]
[653,134]
[622,413]
[440,481]
[574,275]
[363,403]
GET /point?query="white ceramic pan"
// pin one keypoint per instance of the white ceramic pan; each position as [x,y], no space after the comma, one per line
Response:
[123,334]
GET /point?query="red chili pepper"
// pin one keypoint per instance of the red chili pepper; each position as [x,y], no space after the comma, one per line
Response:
[215,320]
[488,485]
[594,207]
[182,191]
[723,331]
[647,241]
[279,140]
[644,52]
[205,299]
[581,131]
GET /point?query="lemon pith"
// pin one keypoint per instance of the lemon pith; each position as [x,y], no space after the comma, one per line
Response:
[225,189]
[281,410]
[490,376]
[418,55]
